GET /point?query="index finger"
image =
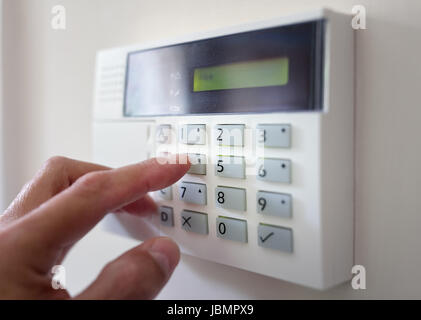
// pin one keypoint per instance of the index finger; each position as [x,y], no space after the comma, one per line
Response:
[68,216]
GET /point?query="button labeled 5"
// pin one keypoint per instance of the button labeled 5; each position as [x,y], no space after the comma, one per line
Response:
[230,167]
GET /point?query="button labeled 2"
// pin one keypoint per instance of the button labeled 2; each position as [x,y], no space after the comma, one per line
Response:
[276,170]
[231,229]
[230,135]
[230,167]
[193,192]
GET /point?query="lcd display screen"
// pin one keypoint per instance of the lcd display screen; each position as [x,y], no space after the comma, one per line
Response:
[238,75]
[270,70]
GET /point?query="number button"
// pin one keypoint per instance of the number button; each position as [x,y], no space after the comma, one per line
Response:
[230,167]
[276,170]
[274,237]
[166,216]
[193,134]
[163,133]
[274,204]
[193,192]
[165,194]
[274,135]
[230,135]
[194,221]
[230,198]
[231,229]
[198,164]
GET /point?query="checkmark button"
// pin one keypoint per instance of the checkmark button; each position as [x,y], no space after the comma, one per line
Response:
[267,237]
[274,237]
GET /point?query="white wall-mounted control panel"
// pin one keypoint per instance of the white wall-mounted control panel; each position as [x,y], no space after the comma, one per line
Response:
[266,112]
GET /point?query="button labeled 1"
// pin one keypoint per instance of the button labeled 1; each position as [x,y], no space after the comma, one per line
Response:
[276,170]
[274,204]
[193,192]
[274,237]
[230,198]
[230,135]
[231,167]
[194,221]
[193,134]
[231,229]
[274,135]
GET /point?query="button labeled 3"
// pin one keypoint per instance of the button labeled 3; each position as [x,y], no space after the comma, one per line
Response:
[276,170]
[274,237]
[193,192]
[231,229]
[274,135]
[194,221]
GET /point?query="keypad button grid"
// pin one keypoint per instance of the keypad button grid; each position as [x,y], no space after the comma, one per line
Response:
[285,199]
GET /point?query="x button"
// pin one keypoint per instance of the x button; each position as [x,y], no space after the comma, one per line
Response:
[193,221]
[186,221]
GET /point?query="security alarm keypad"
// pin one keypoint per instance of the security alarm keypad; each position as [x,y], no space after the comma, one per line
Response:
[226,195]
[265,114]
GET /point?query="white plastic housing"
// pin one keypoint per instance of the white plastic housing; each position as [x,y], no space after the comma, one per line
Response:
[322,166]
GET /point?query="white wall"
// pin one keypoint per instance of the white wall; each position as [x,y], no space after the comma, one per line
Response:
[48,94]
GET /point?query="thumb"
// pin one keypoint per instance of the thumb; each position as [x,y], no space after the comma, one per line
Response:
[140,273]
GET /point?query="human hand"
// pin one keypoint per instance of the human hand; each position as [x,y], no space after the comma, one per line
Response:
[64,201]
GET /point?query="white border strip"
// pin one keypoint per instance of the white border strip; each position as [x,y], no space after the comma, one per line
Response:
[2,186]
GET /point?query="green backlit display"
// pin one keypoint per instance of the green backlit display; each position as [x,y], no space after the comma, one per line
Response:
[248,74]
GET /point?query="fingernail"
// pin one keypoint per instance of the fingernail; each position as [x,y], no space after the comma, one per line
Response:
[166,254]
